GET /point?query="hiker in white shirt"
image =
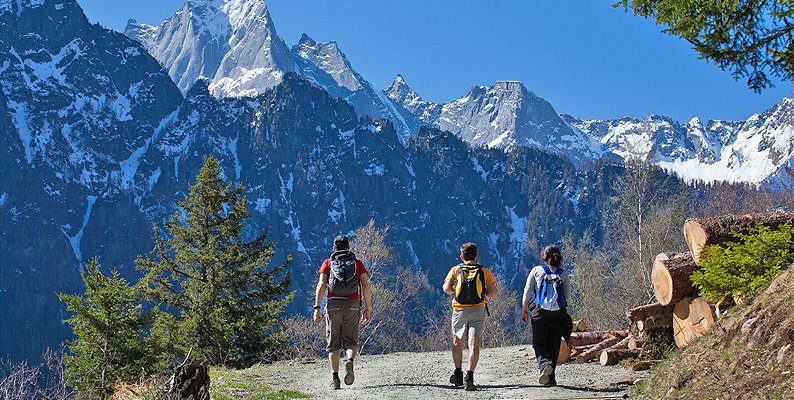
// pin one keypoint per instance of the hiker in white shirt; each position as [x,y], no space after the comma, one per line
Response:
[546,295]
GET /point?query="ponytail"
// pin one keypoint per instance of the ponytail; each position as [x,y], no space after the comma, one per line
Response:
[552,256]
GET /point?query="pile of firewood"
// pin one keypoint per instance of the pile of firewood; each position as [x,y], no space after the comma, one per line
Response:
[677,310]
[677,306]
[608,346]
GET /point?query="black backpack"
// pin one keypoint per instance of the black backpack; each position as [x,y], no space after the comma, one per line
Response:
[343,280]
[470,284]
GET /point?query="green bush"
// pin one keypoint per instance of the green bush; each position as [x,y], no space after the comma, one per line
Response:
[747,266]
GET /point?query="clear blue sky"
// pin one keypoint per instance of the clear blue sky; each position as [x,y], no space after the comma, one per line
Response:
[588,59]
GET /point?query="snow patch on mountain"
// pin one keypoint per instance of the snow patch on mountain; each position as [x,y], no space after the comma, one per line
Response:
[20,118]
[75,240]
[519,229]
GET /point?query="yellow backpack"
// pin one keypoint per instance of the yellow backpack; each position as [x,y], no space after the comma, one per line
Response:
[470,284]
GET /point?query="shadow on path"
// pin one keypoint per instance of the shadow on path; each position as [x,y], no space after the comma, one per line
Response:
[486,387]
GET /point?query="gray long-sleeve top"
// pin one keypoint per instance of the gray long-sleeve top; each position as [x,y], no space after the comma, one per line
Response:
[533,284]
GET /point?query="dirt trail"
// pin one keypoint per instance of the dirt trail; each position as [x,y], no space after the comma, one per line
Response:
[503,373]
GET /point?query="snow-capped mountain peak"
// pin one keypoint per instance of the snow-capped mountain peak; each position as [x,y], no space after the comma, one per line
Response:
[400,92]
[507,114]
[232,43]
[328,58]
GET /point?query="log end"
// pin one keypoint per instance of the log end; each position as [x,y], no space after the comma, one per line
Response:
[696,237]
[661,280]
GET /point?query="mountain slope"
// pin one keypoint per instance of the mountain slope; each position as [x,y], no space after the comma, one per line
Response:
[77,102]
[747,355]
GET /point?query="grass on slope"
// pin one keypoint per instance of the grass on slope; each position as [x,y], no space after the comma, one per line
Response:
[749,354]
[247,384]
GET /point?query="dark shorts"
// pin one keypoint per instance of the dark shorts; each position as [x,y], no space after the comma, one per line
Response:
[342,317]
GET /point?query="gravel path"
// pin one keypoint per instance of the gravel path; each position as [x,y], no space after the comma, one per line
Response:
[502,373]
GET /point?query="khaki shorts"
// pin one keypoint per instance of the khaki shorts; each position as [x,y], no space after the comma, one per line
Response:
[341,324]
[469,322]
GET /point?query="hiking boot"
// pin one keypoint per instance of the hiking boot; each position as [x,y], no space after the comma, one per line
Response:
[336,384]
[456,379]
[470,385]
[349,376]
[545,375]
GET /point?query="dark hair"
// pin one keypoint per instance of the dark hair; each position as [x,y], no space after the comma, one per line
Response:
[551,255]
[341,242]
[468,251]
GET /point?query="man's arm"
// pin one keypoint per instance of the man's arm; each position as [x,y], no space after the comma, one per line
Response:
[322,285]
[449,286]
[365,291]
[491,290]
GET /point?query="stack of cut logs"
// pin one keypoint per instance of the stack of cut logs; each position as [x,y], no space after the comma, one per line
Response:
[608,346]
[677,303]
[677,307]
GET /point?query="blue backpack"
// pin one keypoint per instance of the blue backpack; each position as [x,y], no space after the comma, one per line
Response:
[550,296]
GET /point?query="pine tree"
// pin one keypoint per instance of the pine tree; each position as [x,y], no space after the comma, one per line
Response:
[111,330]
[221,299]
[745,267]
[751,38]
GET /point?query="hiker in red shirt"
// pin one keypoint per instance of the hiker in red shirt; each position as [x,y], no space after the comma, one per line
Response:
[343,279]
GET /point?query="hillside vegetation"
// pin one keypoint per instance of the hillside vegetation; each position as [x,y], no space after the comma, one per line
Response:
[747,355]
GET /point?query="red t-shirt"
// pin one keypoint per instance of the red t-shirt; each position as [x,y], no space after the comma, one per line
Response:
[325,269]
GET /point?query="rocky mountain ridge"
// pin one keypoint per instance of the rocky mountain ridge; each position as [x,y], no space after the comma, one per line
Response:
[100,144]
[233,44]
[194,43]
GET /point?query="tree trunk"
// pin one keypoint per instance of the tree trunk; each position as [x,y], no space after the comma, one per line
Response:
[565,352]
[636,343]
[579,326]
[648,311]
[585,338]
[596,350]
[575,351]
[655,324]
[190,382]
[671,277]
[691,319]
[701,232]
[622,344]
[614,356]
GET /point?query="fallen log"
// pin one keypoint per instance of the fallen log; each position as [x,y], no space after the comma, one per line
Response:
[655,324]
[596,350]
[692,317]
[647,311]
[671,277]
[595,337]
[579,326]
[636,343]
[644,365]
[565,352]
[701,232]
[614,356]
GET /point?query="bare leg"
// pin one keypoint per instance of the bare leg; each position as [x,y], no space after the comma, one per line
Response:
[457,351]
[351,353]
[333,357]
[474,352]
